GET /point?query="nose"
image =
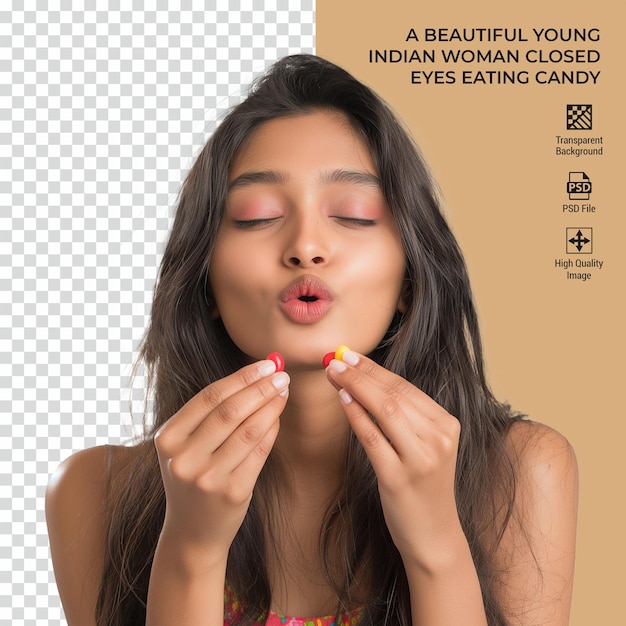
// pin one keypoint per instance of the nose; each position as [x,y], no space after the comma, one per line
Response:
[306,245]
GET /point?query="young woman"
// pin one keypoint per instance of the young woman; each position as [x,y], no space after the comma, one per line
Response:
[386,488]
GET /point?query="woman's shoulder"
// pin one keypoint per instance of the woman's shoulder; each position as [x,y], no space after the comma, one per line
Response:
[79,487]
[77,518]
[535,554]
[536,449]
[88,471]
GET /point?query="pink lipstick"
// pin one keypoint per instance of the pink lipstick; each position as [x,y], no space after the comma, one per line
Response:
[306,300]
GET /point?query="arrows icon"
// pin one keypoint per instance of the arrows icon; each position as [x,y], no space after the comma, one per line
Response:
[579,240]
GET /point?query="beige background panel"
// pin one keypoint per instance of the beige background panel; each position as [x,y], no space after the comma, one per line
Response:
[554,347]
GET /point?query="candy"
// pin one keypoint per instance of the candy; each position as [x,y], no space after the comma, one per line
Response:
[339,352]
[328,358]
[277,357]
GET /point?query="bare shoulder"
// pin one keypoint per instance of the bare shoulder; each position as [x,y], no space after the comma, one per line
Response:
[536,552]
[80,482]
[540,454]
[77,518]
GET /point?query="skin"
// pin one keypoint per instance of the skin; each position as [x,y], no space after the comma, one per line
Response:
[212,450]
[302,219]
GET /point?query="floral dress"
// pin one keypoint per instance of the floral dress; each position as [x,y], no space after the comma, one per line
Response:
[233,611]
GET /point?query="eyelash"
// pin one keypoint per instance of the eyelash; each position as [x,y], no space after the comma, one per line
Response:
[249,224]
[357,221]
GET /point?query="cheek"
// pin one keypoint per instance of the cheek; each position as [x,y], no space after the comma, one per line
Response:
[229,272]
[383,268]
[377,281]
[373,304]
[240,279]
[241,294]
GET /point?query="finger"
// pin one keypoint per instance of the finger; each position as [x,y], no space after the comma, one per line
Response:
[237,446]
[379,450]
[401,410]
[388,458]
[187,419]
[227,416]
[247,472]
[384,379]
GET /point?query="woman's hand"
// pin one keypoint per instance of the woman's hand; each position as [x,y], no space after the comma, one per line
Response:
[211,453]
[412,444]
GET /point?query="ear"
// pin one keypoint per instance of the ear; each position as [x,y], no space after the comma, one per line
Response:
[214,311]
[404,300]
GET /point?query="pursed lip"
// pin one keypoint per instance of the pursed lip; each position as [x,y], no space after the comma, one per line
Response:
[306,299]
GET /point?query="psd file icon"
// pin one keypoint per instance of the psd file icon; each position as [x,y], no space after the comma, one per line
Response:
[578,186]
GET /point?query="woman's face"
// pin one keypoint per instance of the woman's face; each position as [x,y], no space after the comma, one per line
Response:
[308,256]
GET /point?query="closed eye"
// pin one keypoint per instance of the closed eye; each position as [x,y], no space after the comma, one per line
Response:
[256,223]
[356,221]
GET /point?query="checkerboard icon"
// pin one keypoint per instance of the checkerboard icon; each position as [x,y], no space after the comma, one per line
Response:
[579,117]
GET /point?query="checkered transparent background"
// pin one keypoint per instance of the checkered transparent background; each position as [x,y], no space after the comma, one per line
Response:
[102,110]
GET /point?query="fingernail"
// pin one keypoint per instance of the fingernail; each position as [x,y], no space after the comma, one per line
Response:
[266,368]
[351,358]
[278,359]
[280,380]
[338,366]
[346,398]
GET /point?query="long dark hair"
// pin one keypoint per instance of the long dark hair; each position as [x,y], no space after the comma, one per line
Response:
[435,344]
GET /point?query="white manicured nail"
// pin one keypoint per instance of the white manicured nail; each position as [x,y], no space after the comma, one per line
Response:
[346,398]
[280,380]
[351,358]
[266,368]
[338,366]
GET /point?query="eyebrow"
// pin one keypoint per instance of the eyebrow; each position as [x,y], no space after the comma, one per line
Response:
[356,177]
[268,177]
[273,177]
